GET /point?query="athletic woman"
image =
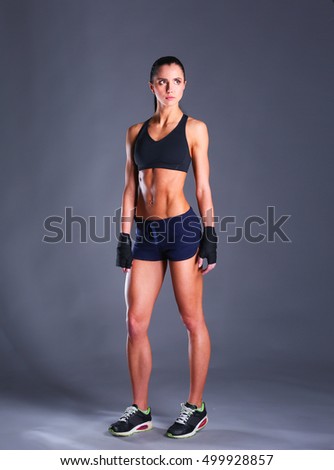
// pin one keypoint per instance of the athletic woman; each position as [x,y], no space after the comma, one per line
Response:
[159,152]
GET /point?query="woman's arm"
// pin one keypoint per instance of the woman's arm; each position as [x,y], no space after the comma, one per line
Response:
[129,198]
[200,160]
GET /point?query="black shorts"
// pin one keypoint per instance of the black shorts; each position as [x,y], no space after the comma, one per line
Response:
[174,238]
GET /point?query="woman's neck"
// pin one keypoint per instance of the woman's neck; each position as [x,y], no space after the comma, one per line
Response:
[167,115]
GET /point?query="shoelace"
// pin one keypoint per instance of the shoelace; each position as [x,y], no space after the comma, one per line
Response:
[185,414]
[127,413]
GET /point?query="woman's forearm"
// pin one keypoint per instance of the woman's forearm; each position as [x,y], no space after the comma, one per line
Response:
[128,209]
[205,205]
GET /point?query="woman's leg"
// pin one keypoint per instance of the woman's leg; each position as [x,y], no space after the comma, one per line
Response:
[142,287]
[188,288]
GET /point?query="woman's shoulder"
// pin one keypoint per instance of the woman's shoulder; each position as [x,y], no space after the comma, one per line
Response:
[196,126]
[134,129]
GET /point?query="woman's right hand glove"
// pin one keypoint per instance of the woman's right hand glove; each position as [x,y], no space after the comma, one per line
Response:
[124,253]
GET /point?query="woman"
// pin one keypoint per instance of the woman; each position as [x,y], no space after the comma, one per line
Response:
[159,152]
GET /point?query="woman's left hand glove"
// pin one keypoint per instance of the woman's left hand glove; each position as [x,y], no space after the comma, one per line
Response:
[208,249]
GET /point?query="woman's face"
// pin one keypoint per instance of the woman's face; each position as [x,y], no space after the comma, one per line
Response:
[168,84]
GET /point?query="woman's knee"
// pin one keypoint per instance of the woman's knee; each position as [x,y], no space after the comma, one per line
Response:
[137,325]
[193,323]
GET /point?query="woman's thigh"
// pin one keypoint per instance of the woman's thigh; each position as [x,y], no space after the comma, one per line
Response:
[188,286]
[142,286]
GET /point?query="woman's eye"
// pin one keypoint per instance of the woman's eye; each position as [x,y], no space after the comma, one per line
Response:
[163,82]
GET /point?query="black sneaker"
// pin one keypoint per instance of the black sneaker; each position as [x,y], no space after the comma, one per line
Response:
[133,420]
[191,420]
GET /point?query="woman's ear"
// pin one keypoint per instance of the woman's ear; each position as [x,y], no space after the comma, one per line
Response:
[151,87]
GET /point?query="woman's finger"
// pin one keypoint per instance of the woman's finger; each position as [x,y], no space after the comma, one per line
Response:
[209,268]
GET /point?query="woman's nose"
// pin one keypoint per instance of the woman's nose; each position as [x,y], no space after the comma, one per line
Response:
[169,88]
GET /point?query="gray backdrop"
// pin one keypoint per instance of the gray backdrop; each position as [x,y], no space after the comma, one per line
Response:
[74,77]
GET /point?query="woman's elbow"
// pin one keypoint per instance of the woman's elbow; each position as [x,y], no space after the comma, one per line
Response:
[203,191]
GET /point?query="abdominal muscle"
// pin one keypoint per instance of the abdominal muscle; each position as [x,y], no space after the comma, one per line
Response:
[160,193]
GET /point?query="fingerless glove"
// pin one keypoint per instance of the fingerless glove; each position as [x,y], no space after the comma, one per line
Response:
[208,245]
[124,253]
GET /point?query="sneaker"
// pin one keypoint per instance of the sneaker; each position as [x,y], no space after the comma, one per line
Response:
[191,420]
[133,420]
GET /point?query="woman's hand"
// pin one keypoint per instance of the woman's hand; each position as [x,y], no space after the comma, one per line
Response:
[209,267]
[208,249]
[124,253]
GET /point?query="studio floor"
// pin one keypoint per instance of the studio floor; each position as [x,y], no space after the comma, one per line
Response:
[250,413]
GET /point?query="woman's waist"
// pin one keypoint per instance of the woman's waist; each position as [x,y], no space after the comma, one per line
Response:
[160,207]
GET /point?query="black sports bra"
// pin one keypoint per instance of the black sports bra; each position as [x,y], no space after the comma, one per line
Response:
[170,152]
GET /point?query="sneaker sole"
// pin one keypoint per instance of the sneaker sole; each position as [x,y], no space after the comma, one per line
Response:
[140,428]
[199,427]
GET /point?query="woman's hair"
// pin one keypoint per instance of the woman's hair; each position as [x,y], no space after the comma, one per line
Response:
[166,60]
